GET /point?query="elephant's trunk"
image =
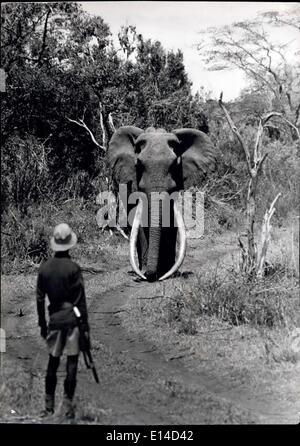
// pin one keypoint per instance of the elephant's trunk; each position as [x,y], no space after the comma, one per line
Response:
[155,230]
[155,227]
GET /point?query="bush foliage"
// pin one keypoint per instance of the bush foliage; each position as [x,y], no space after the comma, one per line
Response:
[236,300]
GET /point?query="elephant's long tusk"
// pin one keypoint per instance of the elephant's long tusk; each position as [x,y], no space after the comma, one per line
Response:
[182,243]
[133,238]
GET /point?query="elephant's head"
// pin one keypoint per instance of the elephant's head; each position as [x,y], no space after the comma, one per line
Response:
[157,161]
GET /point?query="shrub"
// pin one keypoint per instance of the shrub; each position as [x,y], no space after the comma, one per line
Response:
[25,172]
[281,174]
[180,311]
[236,300]
[25,238]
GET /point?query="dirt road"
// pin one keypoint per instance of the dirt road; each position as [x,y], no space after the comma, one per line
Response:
[139,382]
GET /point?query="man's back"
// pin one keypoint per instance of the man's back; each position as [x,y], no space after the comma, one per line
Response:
[61,279]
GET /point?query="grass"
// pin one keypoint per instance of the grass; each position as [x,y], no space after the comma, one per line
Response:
[260,355]
[283,346]
[21,390]
[215,319]
[229,295]
[219,320]
[235,300]
[25,239]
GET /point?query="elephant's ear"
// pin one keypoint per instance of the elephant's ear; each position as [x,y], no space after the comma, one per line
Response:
[121,155]
[197,153]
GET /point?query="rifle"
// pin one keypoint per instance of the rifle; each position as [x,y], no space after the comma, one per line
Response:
[87,356]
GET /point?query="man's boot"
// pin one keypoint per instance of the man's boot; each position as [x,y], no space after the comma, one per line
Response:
[49,405]
[68,408]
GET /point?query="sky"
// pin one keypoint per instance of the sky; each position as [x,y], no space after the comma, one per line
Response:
[176,24]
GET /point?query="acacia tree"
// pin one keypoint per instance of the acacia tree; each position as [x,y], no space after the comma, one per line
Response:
[247,46]
[254,260]
[272,99]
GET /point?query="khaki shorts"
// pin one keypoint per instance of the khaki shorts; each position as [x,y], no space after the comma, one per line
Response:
[67,341]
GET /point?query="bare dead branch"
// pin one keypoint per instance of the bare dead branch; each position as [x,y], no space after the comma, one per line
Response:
[265,237]
[47,139]
[266,118]
[240,63]
[92,270]
[258,158]
[83,114]
[280,20]
[293,126]
[82,124]
[250,54]
[259,166]
[256,153]
[111,312]
[237,133]
[102,124]
[234,195]
[297,113]
[110,123]
[154,297]
[44,35]
[171,358]
[6,233]
[289,100]
[16,220]
[241,245]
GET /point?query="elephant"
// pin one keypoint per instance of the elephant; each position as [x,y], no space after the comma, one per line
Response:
[154,160]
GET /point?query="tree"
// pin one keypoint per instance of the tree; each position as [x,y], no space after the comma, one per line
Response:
[51,67]
[247,46]
[254,262]
[61,68]
[128,39]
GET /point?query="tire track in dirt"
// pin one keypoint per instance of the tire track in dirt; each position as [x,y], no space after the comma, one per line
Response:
[184,396]
[212,402]
[146,388]
[181,391]
[138,385]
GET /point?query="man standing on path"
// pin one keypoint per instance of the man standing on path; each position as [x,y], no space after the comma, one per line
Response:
[61,280]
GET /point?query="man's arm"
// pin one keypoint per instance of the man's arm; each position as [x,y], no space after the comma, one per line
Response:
[40,302]
[78,296]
